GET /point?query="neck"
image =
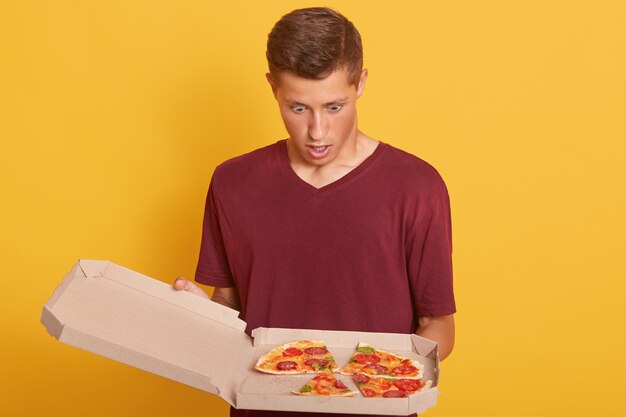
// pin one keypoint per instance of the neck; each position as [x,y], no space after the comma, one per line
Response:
[352,154]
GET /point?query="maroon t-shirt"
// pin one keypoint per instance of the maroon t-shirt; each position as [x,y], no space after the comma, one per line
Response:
[368,252]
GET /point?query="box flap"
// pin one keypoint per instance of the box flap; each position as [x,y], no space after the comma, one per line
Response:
[425,347]
[190,302]
[422,401]
[337,339]
[146,362]
[115,312]
[61,287]
[428,349]
[92,269]
[51,323]
[341,405]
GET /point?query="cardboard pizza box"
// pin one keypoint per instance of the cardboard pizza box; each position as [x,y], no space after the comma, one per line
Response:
[106,309]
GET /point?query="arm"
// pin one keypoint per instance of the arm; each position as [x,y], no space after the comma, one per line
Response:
[441,330]
[228,297]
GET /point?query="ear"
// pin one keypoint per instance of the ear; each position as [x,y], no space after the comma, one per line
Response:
[272,82]
[361,86]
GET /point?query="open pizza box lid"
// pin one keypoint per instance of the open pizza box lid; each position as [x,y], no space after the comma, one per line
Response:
[126,316]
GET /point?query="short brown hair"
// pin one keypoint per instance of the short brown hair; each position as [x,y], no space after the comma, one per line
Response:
[314,42]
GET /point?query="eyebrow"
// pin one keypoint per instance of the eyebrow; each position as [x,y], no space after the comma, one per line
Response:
[340,100]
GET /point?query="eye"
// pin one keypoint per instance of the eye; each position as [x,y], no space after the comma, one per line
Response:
[335,107]
[298,109]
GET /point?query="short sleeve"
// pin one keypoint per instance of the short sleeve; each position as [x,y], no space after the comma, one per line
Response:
[213,268]
[429,256]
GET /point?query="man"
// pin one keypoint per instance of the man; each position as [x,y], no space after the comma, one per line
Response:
[330,228]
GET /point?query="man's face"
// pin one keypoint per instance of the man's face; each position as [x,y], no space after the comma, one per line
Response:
[319,115]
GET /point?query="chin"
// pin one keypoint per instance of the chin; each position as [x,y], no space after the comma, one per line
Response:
[320,161]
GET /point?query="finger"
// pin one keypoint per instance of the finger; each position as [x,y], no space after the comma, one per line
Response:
[189,286]
[180,284]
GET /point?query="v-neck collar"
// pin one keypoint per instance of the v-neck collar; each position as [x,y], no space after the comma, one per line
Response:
[292,177]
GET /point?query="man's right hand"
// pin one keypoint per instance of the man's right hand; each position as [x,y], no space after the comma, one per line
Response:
[181,284]
[228,296]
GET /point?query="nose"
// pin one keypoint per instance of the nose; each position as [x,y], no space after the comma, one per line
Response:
[318,126]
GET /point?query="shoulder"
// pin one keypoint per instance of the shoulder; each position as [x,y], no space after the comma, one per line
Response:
[412,172]
[249,165]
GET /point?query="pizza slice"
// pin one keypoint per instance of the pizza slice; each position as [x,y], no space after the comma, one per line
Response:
[376,386]
[298,357]
[369,360]
[325,384]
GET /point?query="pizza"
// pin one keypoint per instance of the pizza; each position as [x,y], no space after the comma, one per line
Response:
[325,384]
[298,357]
[371,361]
[376,386]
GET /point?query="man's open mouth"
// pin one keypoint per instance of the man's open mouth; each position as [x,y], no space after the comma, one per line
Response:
[318,151]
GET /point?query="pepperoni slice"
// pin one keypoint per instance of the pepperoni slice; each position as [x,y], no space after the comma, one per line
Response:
[403,370]
[360,378]
[286,365]
[409,385]
[394,394]
[369,392]
[379,369]
[314,350]
[322,378]
[292,351]
[367,358]
[340,385]
[320,362]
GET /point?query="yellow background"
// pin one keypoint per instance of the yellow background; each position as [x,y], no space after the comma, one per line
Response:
[115,113]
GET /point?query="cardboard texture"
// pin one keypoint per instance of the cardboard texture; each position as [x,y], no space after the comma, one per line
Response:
[131,318]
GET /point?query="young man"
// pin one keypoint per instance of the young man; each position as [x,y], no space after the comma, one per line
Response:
[330,228]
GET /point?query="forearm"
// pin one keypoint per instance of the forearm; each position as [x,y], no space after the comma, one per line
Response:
[228,297]
[441,330]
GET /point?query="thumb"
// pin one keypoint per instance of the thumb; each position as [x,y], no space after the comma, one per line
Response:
[181,284]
